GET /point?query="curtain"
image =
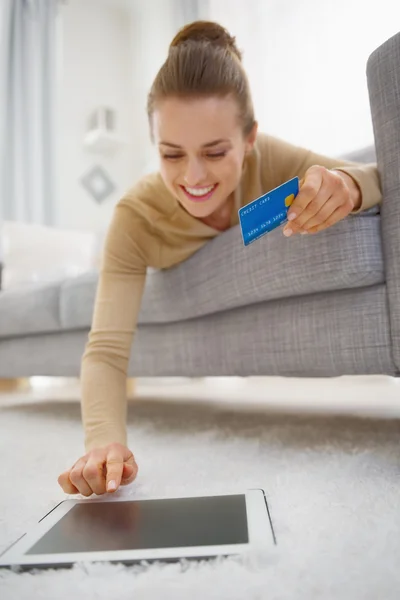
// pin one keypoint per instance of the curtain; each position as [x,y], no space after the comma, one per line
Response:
[27,110]
[191,10]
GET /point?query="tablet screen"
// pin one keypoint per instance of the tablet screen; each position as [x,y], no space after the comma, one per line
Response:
[147,524]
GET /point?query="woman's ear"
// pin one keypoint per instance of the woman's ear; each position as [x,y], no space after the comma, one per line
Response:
[251,138]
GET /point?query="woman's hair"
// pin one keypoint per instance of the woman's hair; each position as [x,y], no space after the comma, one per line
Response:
[203,60]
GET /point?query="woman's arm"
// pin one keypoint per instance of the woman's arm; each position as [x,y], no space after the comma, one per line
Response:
[118,299]
[281,161]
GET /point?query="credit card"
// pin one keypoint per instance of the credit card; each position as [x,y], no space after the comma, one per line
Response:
[267,212]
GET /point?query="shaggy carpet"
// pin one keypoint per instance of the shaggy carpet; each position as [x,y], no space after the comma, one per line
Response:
[332,481]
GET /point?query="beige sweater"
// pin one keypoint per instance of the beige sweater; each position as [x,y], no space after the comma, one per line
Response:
[149,228]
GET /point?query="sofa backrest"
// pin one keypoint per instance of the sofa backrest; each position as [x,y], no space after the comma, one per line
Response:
[383,75]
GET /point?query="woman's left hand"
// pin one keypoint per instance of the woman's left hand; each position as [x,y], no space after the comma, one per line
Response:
[325,197]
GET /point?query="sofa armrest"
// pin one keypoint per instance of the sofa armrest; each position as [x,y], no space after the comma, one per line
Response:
[32,253]
[383,76]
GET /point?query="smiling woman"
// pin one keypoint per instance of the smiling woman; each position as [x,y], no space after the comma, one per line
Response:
[212,162]
[201,117]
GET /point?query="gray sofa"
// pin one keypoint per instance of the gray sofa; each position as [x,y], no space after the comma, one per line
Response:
[322,305]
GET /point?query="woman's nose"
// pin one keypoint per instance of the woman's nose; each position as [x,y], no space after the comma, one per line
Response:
[195,173]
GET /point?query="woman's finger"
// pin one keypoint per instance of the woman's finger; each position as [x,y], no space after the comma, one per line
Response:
[94,472]
[66,484]
[114,467]
[309,190]
[312,210]
[122,463]
[129,473]
[339,200]
[77,479]
[339,214]
[330,206]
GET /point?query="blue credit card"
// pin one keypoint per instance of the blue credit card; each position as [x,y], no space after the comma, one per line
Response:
[268,211]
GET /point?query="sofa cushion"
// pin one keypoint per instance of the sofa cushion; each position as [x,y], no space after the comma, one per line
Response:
[225,275]
[28,310]
[221,276]
[77,301]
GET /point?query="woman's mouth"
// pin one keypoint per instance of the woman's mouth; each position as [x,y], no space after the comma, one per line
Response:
[199,194]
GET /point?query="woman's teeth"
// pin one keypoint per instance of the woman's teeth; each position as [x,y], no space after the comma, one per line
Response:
[199,191]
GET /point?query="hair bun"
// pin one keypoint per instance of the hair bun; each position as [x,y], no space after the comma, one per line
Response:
[207,31]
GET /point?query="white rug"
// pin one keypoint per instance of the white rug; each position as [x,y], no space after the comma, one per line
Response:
[333,485]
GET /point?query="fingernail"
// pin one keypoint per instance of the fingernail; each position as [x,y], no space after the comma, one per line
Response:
[292,217]
[111,486]
[303,232]
[287,232]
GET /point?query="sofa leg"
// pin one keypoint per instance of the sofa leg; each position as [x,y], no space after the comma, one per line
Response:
[130,387]
[12,385]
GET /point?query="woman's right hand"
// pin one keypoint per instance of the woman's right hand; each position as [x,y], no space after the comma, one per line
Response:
[101,470]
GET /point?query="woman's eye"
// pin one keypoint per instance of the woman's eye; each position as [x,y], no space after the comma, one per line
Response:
[209,155]
[172,156]
[216,154]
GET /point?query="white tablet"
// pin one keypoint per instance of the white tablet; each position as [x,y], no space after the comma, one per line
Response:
[129,531]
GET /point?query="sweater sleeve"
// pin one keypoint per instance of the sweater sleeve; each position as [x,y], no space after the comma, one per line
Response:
[281,161]
[118,299]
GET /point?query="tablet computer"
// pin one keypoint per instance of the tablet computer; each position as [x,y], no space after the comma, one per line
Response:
[130,531]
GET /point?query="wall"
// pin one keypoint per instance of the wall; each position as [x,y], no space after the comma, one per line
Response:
[110,52]
[95,69]
[306,63]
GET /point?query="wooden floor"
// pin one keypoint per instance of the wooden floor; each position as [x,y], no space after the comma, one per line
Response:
[371,396]
[9,385]
[26,383]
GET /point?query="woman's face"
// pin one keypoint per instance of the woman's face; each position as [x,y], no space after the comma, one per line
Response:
[202,148]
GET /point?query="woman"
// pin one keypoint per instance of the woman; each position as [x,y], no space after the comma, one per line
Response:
[212,162]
